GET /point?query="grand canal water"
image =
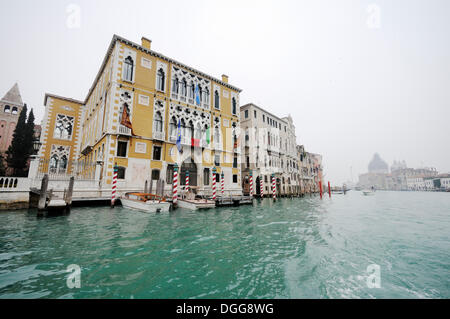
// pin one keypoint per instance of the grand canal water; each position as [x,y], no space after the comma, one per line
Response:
[295,248]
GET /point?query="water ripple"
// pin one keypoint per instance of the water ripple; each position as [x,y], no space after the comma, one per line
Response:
[294,248]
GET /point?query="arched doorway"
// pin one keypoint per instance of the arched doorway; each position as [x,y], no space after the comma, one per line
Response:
[188,166]
[258,186]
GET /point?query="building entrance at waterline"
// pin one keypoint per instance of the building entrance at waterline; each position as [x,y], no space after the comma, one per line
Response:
[188,166]
[257,186]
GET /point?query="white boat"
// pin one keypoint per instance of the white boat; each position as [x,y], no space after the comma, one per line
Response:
[149,203]
[194,204]
[368,192]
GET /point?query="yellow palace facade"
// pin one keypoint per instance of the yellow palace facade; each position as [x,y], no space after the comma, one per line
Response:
[161,98]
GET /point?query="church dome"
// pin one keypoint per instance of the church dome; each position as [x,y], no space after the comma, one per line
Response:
[377,165]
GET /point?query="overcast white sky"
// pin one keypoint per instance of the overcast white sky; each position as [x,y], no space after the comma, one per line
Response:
[354,84]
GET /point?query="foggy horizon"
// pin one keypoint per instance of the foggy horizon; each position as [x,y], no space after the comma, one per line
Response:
[354,83]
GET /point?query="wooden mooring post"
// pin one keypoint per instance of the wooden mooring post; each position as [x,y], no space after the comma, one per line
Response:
[69,193]
[43,193]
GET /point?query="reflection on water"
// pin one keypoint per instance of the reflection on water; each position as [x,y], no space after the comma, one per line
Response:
[294,248]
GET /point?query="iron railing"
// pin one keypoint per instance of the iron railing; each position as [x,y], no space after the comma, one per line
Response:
[81,170]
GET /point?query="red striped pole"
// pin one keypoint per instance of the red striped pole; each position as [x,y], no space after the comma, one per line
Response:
[251,183]
[114,186]
[175,185]
[223,183]
[214,183]
[274,192]
[329,189]
[187,181]
[261,186]
[320,189]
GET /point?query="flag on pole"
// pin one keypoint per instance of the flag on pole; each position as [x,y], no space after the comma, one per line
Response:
[236,141]
[208,135]
[197,94]
[125,121]
[180,149]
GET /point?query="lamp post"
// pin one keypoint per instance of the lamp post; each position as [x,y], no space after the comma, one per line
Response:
[36,146]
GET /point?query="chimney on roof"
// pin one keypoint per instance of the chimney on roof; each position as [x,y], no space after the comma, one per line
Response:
[146,43]
[224,78]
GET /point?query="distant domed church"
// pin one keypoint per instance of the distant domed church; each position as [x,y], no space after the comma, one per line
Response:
[377,165]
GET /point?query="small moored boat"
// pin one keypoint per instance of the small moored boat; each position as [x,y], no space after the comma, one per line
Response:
[194,204]
[368,192]
[146,202]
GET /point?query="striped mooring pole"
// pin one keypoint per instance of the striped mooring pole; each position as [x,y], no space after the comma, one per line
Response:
[320,189]
[175,185]
[214,183]
[274,190]
[329,189]
[222,183]
[114,186]
[261,186]
[251,183]
[187,181]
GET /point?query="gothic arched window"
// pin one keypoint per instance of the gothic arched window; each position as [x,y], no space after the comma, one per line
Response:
[173,127]
[158,122]
[183,128]
[206,96]
[183,87]
[128,69]
[63,127]
[191,90]
[216,100]
[189,131]
[216,135]
[124,105]
[198,132]
[160,80]
[234,106]
[175,85]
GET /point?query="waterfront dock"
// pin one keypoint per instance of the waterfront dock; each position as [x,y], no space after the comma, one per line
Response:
[234,200]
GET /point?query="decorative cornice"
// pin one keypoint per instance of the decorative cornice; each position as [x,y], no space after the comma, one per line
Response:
[260,108]
[161,56]
[153,53]
[47,95]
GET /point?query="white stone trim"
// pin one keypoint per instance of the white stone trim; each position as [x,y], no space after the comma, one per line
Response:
[140,147]
[144,99]
[146,63]
[129,53]
[163,66]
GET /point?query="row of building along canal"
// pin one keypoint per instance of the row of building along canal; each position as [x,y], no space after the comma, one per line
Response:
[152,130]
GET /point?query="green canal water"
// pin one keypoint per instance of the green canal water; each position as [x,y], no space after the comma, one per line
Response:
[294,248]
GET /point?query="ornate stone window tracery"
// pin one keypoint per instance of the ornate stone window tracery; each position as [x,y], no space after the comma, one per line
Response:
[188,118]
[63,127]
[59,158]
